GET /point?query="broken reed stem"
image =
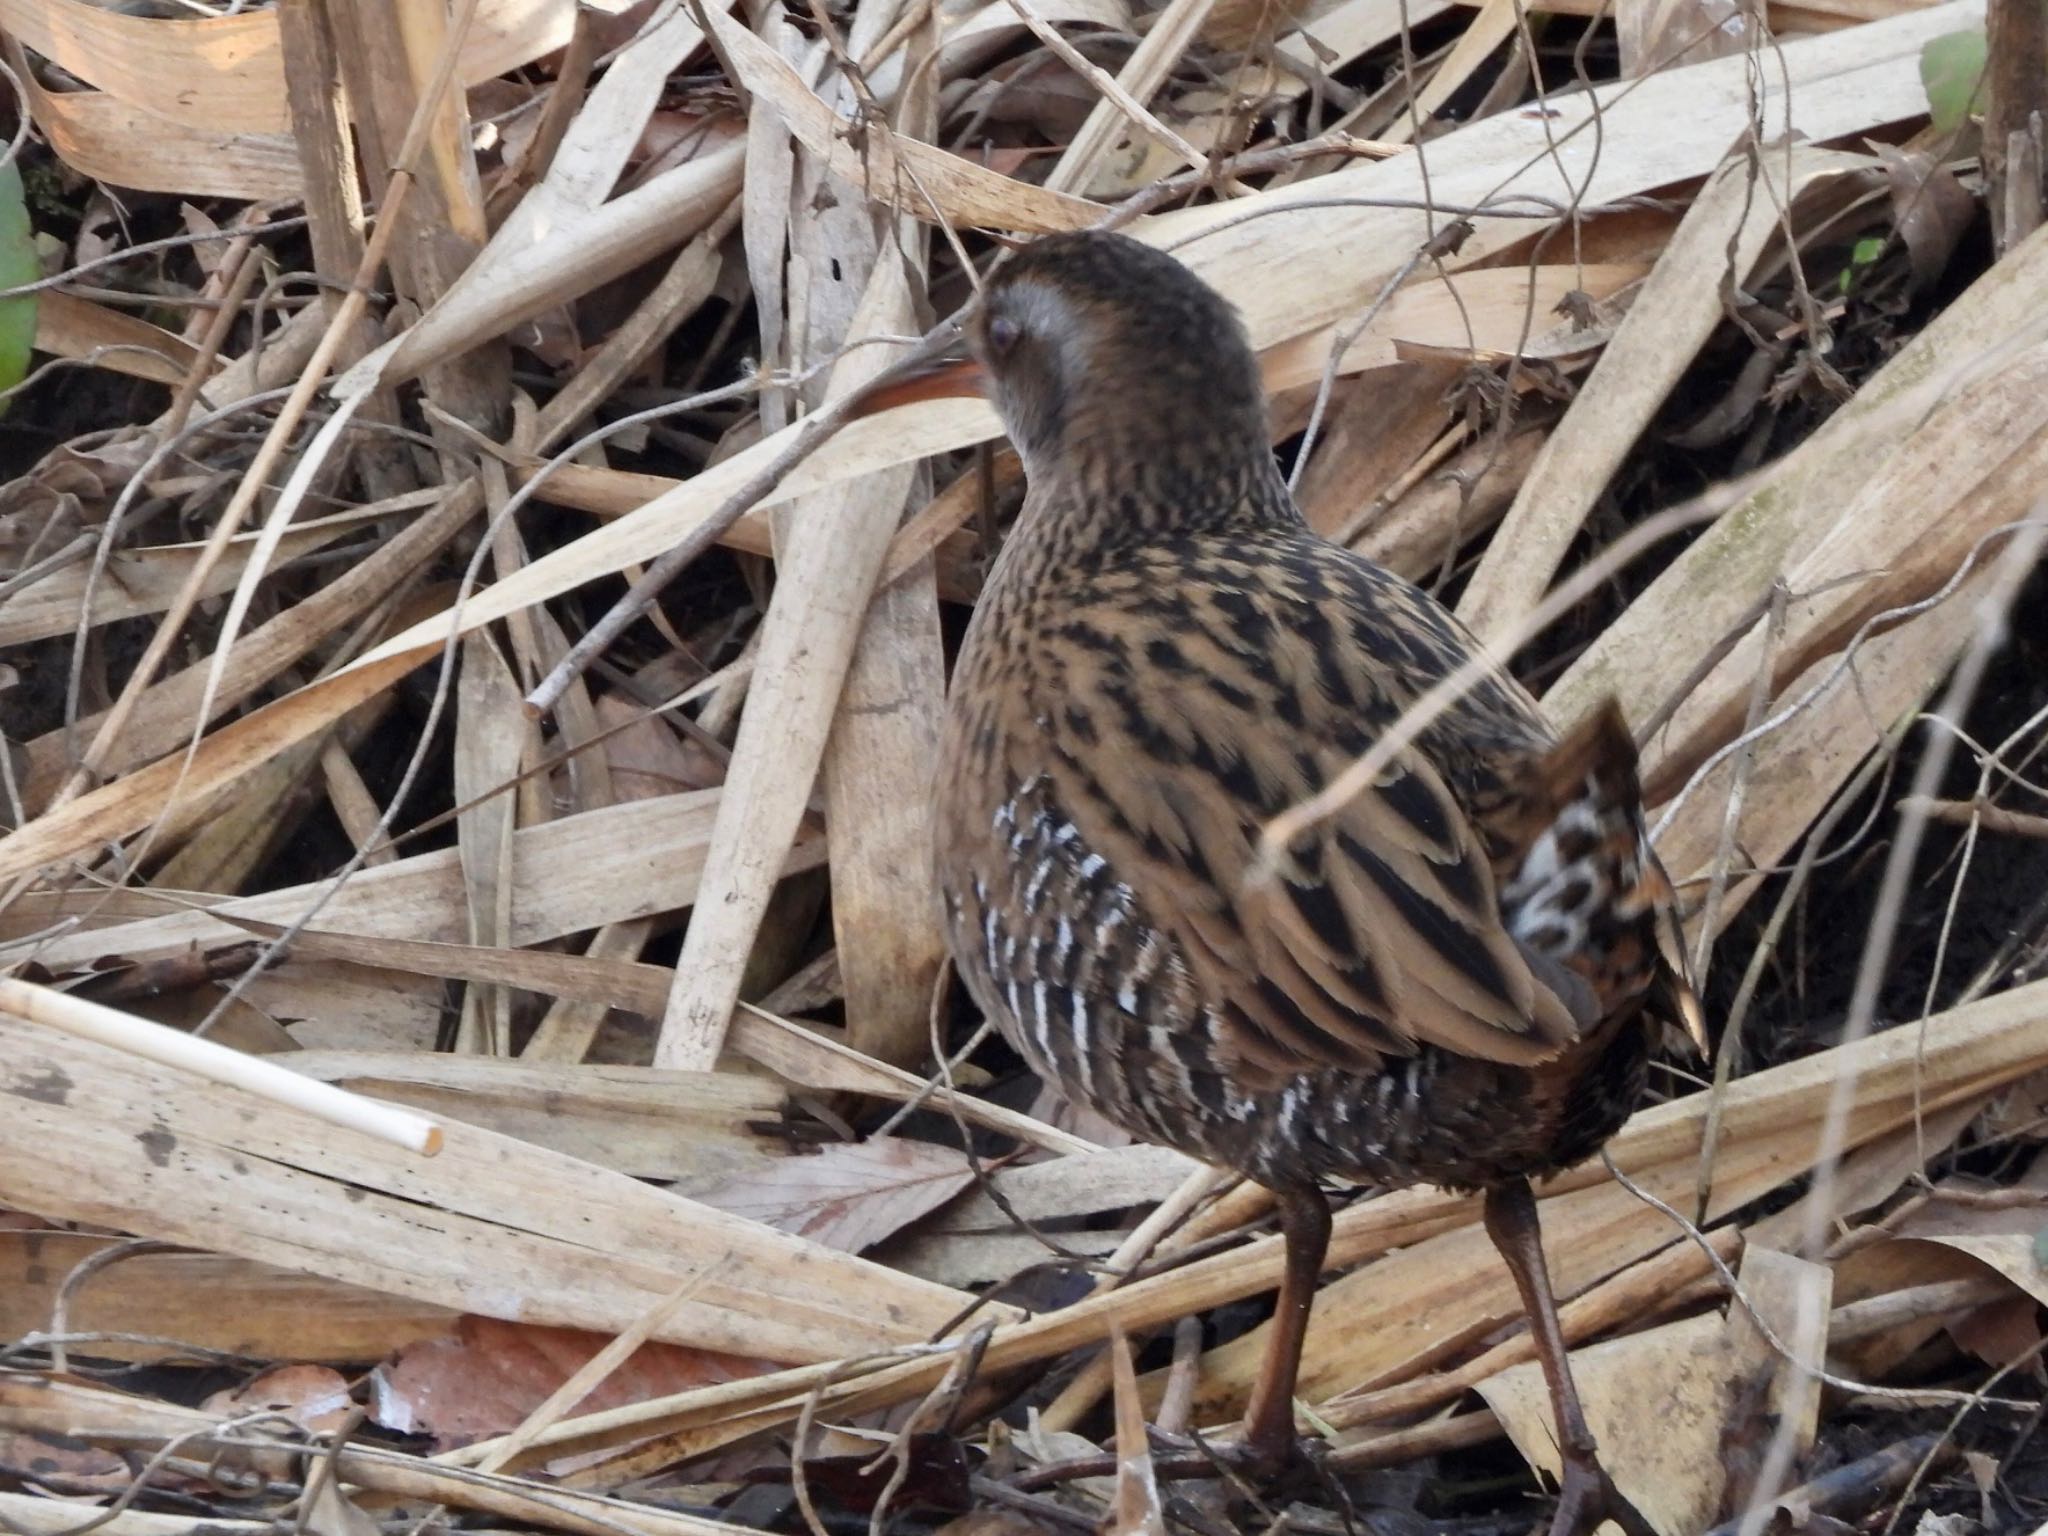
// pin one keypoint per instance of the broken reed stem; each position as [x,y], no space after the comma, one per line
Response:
[407,1476]
[217,1063]
[1880,1314]
[1177,1397]
[1136,1510]
[256,478]
[1404,1445]
[39,1515]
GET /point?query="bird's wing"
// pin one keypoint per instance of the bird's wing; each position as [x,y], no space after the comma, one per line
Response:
[1171,746]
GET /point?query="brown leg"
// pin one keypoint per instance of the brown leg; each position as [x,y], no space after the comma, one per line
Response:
[1269,1421]
[1585,1495]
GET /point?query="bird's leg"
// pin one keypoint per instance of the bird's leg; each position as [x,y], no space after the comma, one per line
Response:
[1586,1495]
[1269,1420]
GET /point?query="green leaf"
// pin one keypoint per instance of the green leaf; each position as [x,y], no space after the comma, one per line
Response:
[19,264]
[1952,73]
[1861,255]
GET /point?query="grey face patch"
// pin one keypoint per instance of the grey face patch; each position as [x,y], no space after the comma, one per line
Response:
[1033,376]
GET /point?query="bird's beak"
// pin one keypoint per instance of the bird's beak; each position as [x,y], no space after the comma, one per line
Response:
[945,373]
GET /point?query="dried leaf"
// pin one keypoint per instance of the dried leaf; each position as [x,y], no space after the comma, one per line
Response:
[2005,1234]
[2012,1254]
[917,178]
[645,756]
[1984,1472]
[314,1397]
[149,62]
[1055,1108]
[2004,1333]
[1930,209]
[68,490]
[62,1462]
[851,1195]
[487,1376]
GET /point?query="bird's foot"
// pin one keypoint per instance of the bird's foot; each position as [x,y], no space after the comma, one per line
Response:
[1257,1460]
[1586,1496]
[1262,1467]
[1266,1447]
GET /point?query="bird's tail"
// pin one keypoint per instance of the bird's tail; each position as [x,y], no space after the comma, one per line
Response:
[1584,872]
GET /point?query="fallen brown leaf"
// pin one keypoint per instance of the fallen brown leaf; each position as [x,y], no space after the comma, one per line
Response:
[62,1462]
[849,1196]
[487,1376]
[314,1397]
[1929,208]
[2003,1333]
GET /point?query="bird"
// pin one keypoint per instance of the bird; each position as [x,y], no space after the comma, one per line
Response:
[1458,978]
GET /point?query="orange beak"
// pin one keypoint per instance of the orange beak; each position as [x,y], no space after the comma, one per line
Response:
[948,374]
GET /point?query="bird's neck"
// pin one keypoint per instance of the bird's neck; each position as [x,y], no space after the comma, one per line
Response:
[1112,485]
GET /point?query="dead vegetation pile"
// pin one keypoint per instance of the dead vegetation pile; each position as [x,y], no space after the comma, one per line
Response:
[1693,349]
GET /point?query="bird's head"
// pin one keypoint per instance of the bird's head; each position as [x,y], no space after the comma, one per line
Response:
[1104,356]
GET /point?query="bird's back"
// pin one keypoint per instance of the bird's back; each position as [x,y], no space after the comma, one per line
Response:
[1470,938]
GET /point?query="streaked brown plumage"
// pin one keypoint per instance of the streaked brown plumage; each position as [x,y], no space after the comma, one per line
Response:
[1446,984]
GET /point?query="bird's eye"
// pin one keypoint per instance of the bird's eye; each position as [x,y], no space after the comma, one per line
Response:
[1003,334]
